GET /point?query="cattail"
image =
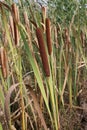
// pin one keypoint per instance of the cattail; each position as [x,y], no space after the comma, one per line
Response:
[82,35]
[44,13]
[48,36]
[11,23]
[27,26]
[3,61]
[67,37]
[43,53]
[43,17]
[15,11]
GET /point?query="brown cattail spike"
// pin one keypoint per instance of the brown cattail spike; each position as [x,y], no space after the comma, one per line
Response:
[11,23]
[82,35]
[3,61]
[27,26]
[67,37]
[43,53]
[44,13]
[15,12]
[43,17]
[48,36]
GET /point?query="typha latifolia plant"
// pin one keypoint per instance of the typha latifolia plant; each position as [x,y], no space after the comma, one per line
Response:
[50,55]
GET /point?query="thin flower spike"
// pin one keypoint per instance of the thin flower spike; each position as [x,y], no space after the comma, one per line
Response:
[48,36]
[43,53]
[3,61]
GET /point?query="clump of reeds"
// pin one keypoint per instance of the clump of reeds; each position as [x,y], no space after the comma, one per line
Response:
[43,53]
[48,36]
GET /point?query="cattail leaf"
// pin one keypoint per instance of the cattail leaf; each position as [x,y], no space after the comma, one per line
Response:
[1,127]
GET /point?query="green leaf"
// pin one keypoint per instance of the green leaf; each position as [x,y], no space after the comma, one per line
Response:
[1,127]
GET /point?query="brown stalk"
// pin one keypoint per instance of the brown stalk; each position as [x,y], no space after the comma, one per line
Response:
[3,61]
[43,53]
[48,36]
[34,23]
[56,37]
[15,12]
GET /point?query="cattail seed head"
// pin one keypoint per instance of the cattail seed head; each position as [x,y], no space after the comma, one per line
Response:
[15,12]
[27,26]
[82,35]
[11,23]
[3,61]
[48,36]
[43,53]
[43,17]
[67,37]
[44,11]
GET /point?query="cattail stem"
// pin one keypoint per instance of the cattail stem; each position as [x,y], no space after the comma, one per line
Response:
[43,51]
[48,36]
